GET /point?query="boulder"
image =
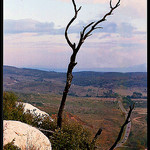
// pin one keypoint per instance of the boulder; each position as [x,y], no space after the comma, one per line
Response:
[24,136]
[34,110]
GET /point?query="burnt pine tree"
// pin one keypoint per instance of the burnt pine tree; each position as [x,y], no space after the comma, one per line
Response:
[84,34]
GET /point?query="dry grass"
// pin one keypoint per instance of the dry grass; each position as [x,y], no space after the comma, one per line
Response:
[141,110]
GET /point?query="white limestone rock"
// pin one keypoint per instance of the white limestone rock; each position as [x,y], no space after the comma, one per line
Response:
[24,135]
[34,110]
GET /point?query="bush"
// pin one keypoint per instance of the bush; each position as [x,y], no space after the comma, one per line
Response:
[72,136]
[110,94]
[136,95]
[12,111]
[11,146]
[127,101]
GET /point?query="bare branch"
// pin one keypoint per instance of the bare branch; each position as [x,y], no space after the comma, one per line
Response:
[71,21]
[46,130]
[103,19]
[84,35]
[79,8]
[98,28]
[75,8]
[87,26]
[81,41]
[96,136]
[89,35]
[111,4]
[117,4]
[122,128]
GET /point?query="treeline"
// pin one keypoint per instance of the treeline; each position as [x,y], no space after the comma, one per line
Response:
[110,79]
[137,95]
[127,101]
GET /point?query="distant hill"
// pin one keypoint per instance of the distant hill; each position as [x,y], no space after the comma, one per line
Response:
[135,68]
[111,79]
[33,80]
[31,72]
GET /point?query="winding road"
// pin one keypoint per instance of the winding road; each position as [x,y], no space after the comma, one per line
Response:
[128,127]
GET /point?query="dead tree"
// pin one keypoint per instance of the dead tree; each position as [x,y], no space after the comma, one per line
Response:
[127,120]
[86,32]
[122,127]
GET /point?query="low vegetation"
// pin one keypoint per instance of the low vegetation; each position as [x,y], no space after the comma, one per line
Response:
[88,112]
[72,136]
[12,111]
[74,133]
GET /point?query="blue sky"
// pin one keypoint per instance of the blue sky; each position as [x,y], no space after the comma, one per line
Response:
[34,34]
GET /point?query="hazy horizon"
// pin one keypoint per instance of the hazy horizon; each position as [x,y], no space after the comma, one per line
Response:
[138,68]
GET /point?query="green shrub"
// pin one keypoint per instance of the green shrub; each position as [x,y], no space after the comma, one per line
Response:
[127,101]
[12,111]
[11,146]
[72,136]
[110,94]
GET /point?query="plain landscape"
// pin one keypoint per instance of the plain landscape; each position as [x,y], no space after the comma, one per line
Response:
[92,100]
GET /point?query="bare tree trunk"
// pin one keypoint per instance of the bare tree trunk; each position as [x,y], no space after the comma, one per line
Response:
[83,35]
[66,90]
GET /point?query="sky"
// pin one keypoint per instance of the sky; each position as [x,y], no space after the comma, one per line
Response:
[34,34]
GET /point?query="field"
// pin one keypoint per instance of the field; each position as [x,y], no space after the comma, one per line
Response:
[92,100]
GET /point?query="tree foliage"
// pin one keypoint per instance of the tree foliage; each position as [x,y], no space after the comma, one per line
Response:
[127,101]
[14,111]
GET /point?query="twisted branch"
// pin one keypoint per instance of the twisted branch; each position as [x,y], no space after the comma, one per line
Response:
[103,19]
[71,21]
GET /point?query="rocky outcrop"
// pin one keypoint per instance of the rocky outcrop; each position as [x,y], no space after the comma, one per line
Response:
[34,110]
[24,136]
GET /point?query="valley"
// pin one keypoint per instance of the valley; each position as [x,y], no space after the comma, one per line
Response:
[92,100]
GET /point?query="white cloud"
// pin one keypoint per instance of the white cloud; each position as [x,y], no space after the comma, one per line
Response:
[33,26]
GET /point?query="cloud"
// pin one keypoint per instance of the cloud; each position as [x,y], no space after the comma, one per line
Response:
[33,26]
[125,29]
[111,50]
[105,36]
[30,26]
[134,7]
[109,55]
